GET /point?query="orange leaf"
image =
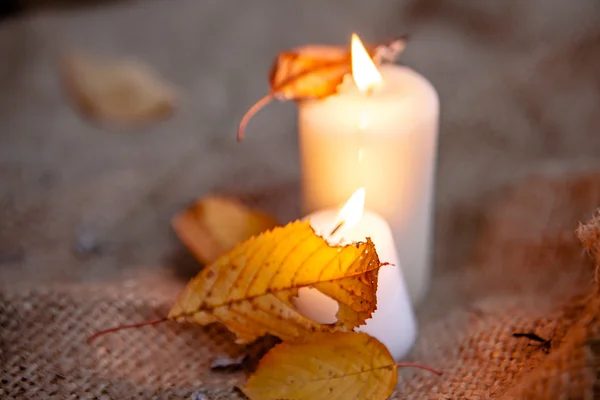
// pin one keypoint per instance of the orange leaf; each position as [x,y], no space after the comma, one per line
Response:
[314,72]
[251,288]
[328,366]
[215,224]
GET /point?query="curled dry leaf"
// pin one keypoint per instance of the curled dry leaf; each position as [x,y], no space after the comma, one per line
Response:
[328,366]
[251,288]
[120,92]
[314,72]
[214,225]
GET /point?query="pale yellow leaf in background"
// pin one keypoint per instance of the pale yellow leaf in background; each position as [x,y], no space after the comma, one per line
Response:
[251,288]
[215,224]
[328,366]
[121,92]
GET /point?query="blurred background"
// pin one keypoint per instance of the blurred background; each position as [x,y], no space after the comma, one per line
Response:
[518,83]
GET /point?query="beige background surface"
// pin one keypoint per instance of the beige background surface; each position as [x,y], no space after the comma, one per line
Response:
[518,84]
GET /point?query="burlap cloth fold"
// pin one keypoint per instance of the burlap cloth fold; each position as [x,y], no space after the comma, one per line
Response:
[528,273]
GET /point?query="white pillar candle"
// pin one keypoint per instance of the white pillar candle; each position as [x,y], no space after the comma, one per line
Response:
[381,136]
[393,322]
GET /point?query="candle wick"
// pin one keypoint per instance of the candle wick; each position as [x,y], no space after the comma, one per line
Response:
[337,228]
[370,90]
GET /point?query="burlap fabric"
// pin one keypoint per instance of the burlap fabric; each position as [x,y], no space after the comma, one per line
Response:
[528,273]
[518,82]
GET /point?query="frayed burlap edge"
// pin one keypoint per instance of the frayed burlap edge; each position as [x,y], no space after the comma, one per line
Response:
[571,371]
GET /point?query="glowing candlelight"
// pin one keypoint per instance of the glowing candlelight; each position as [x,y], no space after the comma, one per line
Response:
[365,74]
[393,322]
[380,133]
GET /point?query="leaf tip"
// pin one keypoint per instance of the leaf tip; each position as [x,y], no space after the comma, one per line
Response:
[392,49]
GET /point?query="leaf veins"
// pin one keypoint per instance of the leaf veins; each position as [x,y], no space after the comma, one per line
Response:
[314,72]
[250,289]
[327,366]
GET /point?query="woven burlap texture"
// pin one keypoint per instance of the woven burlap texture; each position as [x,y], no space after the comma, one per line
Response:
[528,273]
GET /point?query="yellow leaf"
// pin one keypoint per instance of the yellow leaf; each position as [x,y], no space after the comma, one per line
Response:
[215,224]
[122,92]
[251,288]
[327,366]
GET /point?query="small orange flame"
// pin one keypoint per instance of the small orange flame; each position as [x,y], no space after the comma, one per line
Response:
[364,71]
[352,211]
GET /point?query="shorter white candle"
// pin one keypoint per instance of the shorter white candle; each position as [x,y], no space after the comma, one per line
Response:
[393,322]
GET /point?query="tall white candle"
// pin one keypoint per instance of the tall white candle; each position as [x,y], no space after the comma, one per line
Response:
[393,322]
[383,137]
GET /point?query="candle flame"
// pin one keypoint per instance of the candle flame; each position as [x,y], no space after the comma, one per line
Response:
[352,211]
[364,71]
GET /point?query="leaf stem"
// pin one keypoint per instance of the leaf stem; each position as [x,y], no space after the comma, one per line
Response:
[420,366]
[121,327]
[250,113]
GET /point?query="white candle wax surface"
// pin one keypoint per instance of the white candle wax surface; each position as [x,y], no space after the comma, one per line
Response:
[393,322]
[386,142]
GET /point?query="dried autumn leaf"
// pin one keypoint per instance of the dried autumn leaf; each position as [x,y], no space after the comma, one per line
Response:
[215,224]
[122,92]
[327,366]
[251,288]
[309,72]
[314,72]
